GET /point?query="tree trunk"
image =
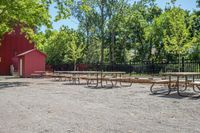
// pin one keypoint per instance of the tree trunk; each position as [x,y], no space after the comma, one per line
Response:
[179,62]
[112,47]
[102,33]
[74,65]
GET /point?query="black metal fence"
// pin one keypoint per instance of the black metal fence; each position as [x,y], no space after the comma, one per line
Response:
[144,67]
[174,66]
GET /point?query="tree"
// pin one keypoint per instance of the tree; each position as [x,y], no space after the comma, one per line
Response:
[198,3]
[177,37]
[55,46]
[114,31]
[75,52]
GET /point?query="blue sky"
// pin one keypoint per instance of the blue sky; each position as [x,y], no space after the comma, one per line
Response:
[73,23]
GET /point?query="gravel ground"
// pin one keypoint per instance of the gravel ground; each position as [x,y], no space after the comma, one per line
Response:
[46,106]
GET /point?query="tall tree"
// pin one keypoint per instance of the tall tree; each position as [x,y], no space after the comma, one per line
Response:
[177,37]
[75,52]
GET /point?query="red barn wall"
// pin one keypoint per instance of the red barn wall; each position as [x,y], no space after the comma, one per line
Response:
[33,61]
[11,45]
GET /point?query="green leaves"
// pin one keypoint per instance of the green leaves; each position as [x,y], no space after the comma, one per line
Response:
[198,3]
[177,37]
[114,29]
[27,13]
[63,46]
[74,52]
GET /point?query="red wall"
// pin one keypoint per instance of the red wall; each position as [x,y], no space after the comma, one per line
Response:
[11,45]
[33,61]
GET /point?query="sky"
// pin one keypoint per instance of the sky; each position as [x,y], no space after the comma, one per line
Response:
[73,23]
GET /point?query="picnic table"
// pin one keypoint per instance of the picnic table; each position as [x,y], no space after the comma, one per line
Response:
[98,76]
[186,82]
[38,74]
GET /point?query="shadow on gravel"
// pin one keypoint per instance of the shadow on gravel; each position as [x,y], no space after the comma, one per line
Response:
[102,88]
[176,96]
[44,83]
[11,77]
[172,95]
[4,85]
[74,84]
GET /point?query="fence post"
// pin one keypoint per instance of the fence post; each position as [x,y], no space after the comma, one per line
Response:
[130,67]
[183,64]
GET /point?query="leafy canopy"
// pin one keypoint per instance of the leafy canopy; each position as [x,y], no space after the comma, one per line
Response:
[176,30]
[28,13]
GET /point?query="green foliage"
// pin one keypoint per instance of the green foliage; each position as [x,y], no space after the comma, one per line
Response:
[55,47]
[110,31]
[177,38]
[74,52]
[64,7]
[175,25]
[198,3]
[61,46]
[27,13]
[32,14]
[117,32]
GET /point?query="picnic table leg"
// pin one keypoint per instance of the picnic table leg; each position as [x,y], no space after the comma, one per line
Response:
[177,82]
[155,92]
[116,80]
[88,80]
[114,84]
[198,87]
[120,75]
[101,79]
[169,85]
[78,79]
[125,85]
[97,80]
[151,89]
[186,83]
[178,88]
[193,87]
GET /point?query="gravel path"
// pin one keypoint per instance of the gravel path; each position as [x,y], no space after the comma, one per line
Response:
[45,106]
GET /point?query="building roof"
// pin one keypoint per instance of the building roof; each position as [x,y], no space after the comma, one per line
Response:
[32,50]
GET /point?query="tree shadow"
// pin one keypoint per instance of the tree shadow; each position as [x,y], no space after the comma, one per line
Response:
[106,87]
[4,85]
[174,95]
[71,83]
[12,77]
[171,95]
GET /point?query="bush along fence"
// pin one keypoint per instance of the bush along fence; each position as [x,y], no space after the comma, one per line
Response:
[145,67]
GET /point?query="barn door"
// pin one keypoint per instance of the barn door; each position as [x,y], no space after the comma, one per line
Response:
[20,67]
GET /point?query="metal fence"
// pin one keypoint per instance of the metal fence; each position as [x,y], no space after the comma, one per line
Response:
[174,66]
[137,67]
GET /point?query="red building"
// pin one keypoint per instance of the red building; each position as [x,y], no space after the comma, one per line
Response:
[31,61]
[11,45]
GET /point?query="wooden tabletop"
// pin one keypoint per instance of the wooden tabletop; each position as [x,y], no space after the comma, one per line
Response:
[39,71]
[182,73]
[88,72]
